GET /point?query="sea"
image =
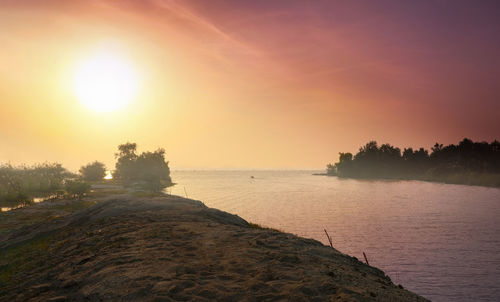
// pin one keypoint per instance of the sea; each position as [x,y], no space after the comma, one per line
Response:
[440,241]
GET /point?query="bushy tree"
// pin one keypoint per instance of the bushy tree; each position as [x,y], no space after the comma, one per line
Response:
[153,170]
[93,171]
[148,170]
[126,159]
[342,167]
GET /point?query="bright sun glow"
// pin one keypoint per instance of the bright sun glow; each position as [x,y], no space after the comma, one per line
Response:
[108,175]
[105,82]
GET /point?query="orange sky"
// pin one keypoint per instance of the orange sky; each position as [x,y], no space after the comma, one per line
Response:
[258,84]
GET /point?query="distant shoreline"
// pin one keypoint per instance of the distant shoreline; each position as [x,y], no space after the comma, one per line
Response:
[476,179]
[467,163]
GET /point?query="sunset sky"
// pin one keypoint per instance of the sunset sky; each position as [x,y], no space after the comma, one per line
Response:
[248,84]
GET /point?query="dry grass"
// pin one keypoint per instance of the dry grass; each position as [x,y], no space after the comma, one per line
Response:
[19,259]
[259,227]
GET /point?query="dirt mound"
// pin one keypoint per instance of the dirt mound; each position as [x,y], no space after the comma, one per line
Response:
[175,249]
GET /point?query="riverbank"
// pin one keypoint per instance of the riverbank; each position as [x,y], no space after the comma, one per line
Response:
[163,248]
[489,180]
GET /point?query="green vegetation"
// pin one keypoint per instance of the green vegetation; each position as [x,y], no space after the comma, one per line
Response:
[19,185]
[77,188]
[148,171]
[259,227]
[93,172]
[471,163]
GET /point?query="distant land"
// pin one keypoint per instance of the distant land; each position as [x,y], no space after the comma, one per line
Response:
[469,163]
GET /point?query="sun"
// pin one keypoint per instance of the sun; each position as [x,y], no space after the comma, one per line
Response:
[105,81]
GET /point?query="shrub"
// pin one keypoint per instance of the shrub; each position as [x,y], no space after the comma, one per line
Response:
[76,188]
[21,184]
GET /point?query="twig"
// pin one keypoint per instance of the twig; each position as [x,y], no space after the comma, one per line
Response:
[185,192]
[366,259]
[329,238]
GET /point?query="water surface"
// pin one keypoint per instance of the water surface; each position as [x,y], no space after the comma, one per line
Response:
[440,241]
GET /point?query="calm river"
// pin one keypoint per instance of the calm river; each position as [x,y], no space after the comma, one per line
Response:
[440,241]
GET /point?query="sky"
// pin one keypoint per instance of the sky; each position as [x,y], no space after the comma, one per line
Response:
[249,84]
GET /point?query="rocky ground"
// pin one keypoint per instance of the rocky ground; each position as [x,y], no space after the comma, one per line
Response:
[140,247]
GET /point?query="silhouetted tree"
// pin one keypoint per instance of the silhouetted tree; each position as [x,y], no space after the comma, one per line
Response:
[148,170]
[125,165]
[331,169]
[153,170]
[343,166]
[93,172]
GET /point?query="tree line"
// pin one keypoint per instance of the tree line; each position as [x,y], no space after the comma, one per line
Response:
[146,171]
[468,162]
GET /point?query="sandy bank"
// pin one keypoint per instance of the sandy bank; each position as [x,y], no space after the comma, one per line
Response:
[168,248]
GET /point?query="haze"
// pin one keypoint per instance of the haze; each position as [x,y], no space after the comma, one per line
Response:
[249,84]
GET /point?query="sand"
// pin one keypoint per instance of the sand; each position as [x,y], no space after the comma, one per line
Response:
[166,248]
